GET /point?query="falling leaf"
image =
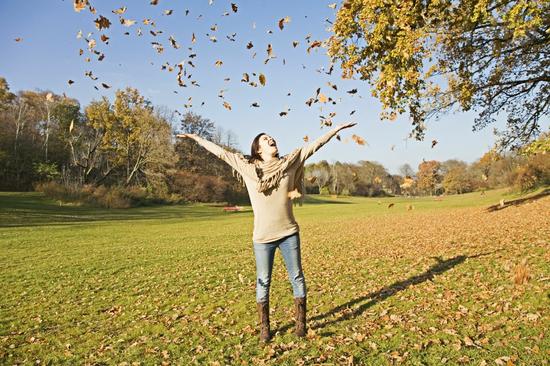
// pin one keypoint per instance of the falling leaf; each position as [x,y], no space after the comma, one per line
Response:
[79,5]
[282,114]
[255,104]
[234,7]
[173,42]
[391,205]
[245,78]
[70,81]
[322,98]
[18,39]
[127,22]
[193,38]
[106,86]
[434,142]
[332,6]
[249,45]
[269,51]
[104,38]
[305,138]
[227,105]
[352,91]
[154,2]
[119,11]
[218,63]
[262,79]
[168,12]
[313,44]
[358,140]
[282,22]
[295,43]
[102,22]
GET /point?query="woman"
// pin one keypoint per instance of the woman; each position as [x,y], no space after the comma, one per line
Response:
[272,182]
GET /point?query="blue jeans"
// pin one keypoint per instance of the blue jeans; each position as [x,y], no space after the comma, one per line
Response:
[265,254]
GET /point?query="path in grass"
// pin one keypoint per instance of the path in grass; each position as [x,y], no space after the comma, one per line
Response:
[175,284]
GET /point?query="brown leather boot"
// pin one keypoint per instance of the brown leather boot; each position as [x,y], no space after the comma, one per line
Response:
[263,314]
[300,310]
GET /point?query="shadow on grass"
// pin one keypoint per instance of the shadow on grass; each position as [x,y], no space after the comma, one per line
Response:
[344,312]
[33,209]
[519,201]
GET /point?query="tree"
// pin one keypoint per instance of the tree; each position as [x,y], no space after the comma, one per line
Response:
[428,176]
[456,177]
[428,57]
[406,170]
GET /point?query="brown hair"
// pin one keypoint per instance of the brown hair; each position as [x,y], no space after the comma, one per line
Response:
[254,154]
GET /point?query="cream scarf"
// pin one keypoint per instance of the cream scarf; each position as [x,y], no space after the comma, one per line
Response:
[269,174]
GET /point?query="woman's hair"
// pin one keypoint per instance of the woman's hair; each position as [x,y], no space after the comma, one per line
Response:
[254,149]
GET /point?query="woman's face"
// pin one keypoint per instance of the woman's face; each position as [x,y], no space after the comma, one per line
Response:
[268,145]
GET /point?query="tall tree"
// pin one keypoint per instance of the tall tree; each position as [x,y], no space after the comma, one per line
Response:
[427,57]
[428,176]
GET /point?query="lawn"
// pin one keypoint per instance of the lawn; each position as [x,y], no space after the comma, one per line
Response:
[424,282]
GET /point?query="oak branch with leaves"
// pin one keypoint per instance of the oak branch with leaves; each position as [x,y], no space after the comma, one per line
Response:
[425,58]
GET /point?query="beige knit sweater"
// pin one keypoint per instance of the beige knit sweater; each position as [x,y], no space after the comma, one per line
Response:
[273,216]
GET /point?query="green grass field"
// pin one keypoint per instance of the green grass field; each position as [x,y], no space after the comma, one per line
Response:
[159,285]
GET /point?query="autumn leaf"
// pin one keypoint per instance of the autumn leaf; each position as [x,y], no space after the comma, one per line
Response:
[282,22]
[249,45]
[173,42]
[234,7]
[193,38]
[18,39]
[332,6]
[70,82]
[352,91]
[168,12]
[102,22]
[127,22]
[358,140]
[119,11]
[262,79]
[313,44]
[305,138]
[434,142]
[255,104]
[106,86]
[295,43]
[227,105]
[322,98]
[79,5]
[218,63]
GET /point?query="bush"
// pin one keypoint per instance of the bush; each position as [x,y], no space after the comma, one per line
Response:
[101,196]
[198,188]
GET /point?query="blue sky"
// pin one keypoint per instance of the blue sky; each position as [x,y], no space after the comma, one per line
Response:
[48,56]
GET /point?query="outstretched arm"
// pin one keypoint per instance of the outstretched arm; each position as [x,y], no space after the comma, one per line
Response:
[311,148]
[230,158]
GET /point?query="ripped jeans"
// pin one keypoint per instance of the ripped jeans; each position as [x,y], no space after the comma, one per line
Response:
[265,255]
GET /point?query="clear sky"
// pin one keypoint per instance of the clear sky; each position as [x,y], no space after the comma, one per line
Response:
[47,56]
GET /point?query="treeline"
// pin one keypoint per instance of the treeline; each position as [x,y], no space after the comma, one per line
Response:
[522,170]
[123,153]
[116,154]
